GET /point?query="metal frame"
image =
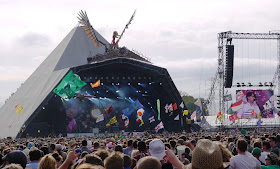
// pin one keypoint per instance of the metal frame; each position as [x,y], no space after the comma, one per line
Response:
[219,79]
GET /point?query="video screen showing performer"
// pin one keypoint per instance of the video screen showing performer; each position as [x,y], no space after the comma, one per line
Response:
[255,104]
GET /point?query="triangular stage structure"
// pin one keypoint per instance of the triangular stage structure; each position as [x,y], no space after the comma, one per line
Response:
[46,113]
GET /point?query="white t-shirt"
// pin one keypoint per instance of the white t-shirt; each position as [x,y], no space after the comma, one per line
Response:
[263,156]
[248,109]
[244,162]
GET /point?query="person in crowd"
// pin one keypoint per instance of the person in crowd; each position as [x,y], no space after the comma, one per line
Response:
[129,148]
[265,151]
[148,162]
[127,162]
[51,148]
[271,161]
[35,157]
[93,159]
[142,148]
[84,146]
[114,161]
[47,162]
[96,146]
[58,159]
[274,148]
[15,157]
[257,153]
[243,160]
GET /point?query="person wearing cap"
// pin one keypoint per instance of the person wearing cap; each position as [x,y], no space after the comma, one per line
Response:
[16,157]
[271,161]
[257,153]
[243,160]
[157,149]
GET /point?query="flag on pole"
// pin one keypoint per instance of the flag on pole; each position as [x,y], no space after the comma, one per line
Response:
[152,119]
[240,95]
[158,107]
[95,84]
[193,115]
[174,106]
[71,124]
[126,122]
[177,117]
[19,108]
[159,126]
[186,112]
[100,118]
[113,120]
[170,108]
[140,113]
[166,108]
[220,116]
[237,105]
[259,123]
[182,105]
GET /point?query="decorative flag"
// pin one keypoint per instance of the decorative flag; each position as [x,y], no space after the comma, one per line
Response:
[140,113]
[170,108]
[123,117]
[113,120]
[100,118]
[233,117]
[158,107]
[198,112]
[166,108]
[198,119]
[259,116]
[189,121]
[182,105]
[152,119]
[220,116]
[19,108]
[71,124]
[177,117]
[96,84]
[267,105]
[108,111]
[126,122]
[193,115]
[240,95]
[238,120]
[231,123]
[142,122]
[174,106]
[237,105]
[259,123]
[207,112]
[198,103]
[159,126]
[70,84]
[134,106]
[186,112]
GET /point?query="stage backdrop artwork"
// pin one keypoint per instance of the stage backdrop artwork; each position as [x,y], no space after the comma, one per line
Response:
[254,104]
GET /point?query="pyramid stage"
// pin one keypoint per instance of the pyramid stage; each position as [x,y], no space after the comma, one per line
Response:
[130,92]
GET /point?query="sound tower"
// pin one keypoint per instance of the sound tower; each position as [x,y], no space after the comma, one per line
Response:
[229,66]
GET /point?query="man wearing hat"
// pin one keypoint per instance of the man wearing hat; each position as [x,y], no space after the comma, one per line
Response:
[271,161]
[257,153]
[16,157]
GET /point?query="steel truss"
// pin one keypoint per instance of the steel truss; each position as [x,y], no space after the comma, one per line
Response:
[219,80]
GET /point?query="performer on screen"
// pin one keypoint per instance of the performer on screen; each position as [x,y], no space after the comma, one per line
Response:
[250,109]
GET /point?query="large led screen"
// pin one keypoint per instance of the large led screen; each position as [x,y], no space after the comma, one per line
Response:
[254,104]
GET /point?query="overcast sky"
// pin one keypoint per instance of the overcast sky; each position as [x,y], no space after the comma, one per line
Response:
[180,35]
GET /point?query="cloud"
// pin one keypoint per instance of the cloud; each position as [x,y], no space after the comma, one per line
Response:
[32,39]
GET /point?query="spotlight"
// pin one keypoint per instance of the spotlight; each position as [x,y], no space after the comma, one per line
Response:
[113,84]
[96,91]
[249,84]
[243,85]
[117,91]
[138,83]
[146,92]
[238,85]
[101,83]
[260,84]
[160,83]
[105,97]
[43,108]
[107,91]
[271,84]
[150,83]
[128,84]
[137,91]
[118,84]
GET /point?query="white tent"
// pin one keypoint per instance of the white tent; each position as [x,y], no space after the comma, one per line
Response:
[73,51]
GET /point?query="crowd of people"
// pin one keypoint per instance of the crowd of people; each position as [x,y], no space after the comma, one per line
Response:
[200,150]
